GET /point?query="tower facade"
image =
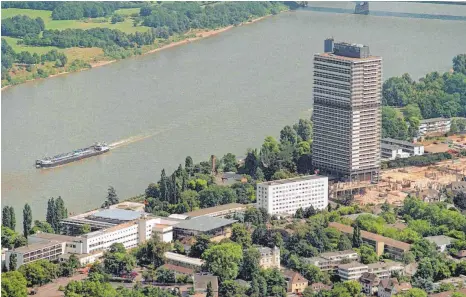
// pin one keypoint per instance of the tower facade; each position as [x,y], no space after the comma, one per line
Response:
[347,112]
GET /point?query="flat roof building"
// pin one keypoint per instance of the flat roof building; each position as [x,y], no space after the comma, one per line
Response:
[203,225]
[435,126]
[218,211]
[351,271]
[288,195]
[184,261]
[441,241]
[382,244]
[413,149]
[347,116]
[330,261]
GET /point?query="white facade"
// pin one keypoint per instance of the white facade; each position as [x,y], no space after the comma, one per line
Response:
[351,271]
[392,152]
[413,149]
[434,126]
[288,195]
[90,246]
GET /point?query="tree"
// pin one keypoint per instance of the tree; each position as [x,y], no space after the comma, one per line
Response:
[357,240]
[152,252]
[51,217]
[367,254]
[303,129]
[84,229]
[209,291]
[230,288]
[27,220]
[299,213]
[117,18]
[393,124]
[13,262]
[344,243]
[200,246]
[112,197]
[312,273]
[14,284]
[39,272]
[240,235]
[460,200]
[41,226]
[288,135]
[250,265]
[164,275]
[223,260]
[229,163]
[459,63]
[216,195]
[8,217]
[117,261]
[414,292]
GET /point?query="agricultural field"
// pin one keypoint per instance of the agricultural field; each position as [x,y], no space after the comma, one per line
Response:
[46,15]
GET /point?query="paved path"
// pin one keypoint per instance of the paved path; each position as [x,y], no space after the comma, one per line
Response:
[51,290]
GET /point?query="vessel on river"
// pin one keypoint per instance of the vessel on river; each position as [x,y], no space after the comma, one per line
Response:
[93,150]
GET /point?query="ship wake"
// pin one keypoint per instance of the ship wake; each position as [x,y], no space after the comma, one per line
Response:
[140,137]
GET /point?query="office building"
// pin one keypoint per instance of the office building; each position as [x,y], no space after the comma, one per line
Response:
[351,271]
[413,149]
[441,241]
[219,211]
[269,258]
[347,115]
[392,152]
[355,270]
[89,247]
[382,244]
[330,261]
[433,127]
[183,261]
[285,196]
[212,226]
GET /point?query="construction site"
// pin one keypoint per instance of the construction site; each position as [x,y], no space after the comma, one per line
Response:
[395,184]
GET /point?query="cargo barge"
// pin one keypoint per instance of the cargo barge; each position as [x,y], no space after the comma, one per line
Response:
[93,150]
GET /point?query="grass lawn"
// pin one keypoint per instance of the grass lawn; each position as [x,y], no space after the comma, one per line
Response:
[32,49]
[46,15]
[86,54]
[127,11]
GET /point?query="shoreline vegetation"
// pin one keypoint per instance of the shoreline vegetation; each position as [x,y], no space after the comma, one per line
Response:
[197,36]
[51,47]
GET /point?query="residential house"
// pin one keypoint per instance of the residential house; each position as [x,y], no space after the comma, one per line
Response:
[441,241]
[330,261]
[389,287]
[317,287]
[269,258]
[351,271]
[296,283]
[382,244]
[201,280]
[369,282]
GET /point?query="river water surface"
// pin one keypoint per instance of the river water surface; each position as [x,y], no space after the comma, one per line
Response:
[217,95]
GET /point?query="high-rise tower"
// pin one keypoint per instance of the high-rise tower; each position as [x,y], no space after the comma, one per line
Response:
[347,115]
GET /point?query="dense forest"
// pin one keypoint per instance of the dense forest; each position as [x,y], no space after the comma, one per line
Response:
[406,101]
[63,10]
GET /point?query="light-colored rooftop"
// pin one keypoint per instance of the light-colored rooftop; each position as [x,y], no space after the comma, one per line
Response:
[356,215]
[433,120]
[183,259]
[211,210]
[51,236]
[440,239]
[350,59]
[204,223]
[36,246]
[351,265]
[338,253]
[400,142]
[118,214]
[292,180]
[372,236]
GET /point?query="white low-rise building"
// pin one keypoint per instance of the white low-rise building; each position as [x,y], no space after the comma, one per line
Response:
[413,149]
[288,195]
[89,247]
[435,126]
[392,152]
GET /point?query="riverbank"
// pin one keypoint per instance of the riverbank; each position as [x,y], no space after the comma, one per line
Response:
[198,35]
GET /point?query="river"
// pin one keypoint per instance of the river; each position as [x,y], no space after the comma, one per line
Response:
[213,96]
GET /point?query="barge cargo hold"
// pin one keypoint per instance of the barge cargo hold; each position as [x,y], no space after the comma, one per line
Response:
[93,150]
